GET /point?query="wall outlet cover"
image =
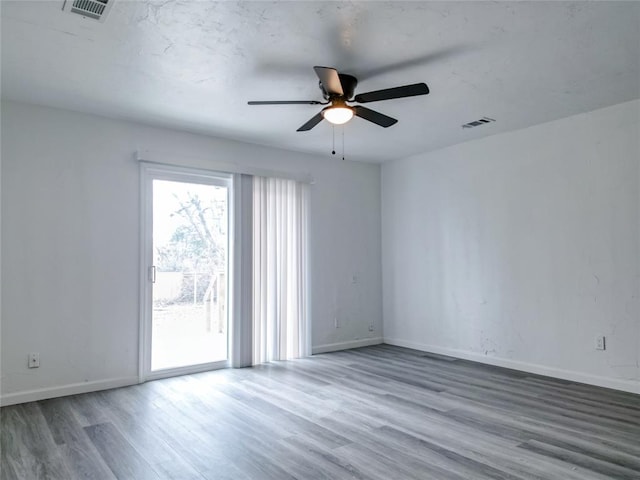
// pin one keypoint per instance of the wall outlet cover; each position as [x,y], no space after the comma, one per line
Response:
[34,360]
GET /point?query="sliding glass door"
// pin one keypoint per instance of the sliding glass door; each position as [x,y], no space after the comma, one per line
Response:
[187,273]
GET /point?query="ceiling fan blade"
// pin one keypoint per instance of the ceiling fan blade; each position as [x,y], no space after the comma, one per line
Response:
[330,80]
[311,123]
[287,102]
[373,116]
[390,93]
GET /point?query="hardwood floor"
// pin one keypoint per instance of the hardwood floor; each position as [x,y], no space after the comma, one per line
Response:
[379,412]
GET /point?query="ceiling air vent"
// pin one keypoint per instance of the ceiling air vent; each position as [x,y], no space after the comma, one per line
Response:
[94,9]
[477,123]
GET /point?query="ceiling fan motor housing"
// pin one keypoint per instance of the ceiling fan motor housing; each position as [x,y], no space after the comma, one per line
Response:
[348,82]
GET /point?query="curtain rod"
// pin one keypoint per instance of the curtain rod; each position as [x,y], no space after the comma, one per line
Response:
[179,160]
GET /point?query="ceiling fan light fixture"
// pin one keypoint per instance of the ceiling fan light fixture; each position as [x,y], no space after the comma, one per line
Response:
[338,115]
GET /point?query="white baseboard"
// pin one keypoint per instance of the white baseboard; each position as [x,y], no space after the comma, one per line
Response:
[334,347]
[63,391]
[631,386]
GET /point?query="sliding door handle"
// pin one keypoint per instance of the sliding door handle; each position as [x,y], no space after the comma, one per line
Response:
[152,274]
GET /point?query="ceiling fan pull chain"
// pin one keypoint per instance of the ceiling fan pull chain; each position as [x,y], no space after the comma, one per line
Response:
[333,132]
[343,142]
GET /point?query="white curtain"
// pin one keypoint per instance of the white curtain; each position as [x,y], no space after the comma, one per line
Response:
[280,329]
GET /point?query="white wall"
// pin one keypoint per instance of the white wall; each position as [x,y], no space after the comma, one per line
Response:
[70,240]
[518,249]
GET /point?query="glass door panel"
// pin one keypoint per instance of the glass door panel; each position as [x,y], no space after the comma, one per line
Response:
[190,272]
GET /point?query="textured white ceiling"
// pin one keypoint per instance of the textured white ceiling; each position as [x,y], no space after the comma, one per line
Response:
[193,65]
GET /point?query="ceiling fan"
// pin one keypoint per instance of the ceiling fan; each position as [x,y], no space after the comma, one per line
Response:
[338,89]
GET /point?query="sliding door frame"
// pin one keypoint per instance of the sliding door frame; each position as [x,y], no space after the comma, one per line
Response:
[148,173]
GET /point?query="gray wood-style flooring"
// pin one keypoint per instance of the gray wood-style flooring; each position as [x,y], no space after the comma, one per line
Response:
[379,412]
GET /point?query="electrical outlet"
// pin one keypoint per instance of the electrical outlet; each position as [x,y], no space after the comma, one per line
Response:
[34,360]
[600,343]
[335,322]
[371,328]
